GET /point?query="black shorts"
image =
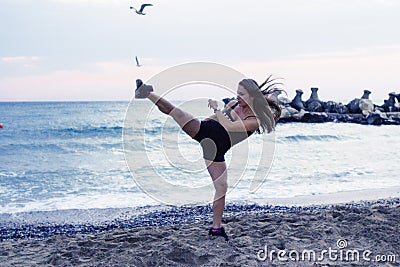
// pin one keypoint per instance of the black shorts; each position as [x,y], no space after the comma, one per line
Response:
[214,140]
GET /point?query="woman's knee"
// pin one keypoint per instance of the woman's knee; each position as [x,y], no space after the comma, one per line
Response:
[176,113]
[221,187]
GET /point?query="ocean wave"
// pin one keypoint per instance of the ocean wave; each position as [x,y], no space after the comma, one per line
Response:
[62,147]
[13,149]
[155,130]
[8,174]
[301,138]
[49,132]
[88,130]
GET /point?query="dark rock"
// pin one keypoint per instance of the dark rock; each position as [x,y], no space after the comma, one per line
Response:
[397,105]
[330,107]
[315,117]
[374,119]
[333,107]
[398,97]
[388,105]
[353,118]
[354,106]
[297,103]
[391,122]
[342,109]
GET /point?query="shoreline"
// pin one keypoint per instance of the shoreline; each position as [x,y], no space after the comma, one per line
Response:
[365,225]
[343,197]
[98,215]
[44,224]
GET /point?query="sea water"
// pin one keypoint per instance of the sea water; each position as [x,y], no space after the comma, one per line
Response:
[70,155]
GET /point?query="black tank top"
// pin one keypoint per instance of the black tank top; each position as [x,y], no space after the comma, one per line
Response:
[228,114]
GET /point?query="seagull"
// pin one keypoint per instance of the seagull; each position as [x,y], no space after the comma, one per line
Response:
[137,62]
[140,11]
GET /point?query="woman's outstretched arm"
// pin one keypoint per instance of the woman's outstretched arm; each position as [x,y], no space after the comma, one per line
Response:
[238,125]
[235,126]
[225,109]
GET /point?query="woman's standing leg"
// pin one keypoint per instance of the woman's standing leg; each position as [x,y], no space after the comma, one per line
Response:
[217,170]
[218,173]
[185,120]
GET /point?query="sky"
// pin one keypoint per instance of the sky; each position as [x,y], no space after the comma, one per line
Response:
[73,50]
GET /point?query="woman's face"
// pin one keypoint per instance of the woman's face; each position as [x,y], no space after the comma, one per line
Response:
[243,97]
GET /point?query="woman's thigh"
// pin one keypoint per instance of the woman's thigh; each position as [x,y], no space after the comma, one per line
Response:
[188,123]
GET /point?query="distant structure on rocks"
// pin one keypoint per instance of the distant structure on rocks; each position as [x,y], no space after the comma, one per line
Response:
[314,104]
[297,103]
[390,104]
[359,110]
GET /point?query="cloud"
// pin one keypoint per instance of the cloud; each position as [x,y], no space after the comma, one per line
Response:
[367,51]
[102,81]
[94,2]
[19,59]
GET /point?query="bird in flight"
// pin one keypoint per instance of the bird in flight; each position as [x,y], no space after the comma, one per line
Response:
[140,11]
[137,62]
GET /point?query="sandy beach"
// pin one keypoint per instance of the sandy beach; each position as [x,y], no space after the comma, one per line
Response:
[354,234]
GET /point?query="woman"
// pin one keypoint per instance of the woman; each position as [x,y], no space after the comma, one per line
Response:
[254,111]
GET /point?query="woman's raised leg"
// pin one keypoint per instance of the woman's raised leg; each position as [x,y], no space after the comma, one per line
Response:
[217,170]
[186,121]
[218,173]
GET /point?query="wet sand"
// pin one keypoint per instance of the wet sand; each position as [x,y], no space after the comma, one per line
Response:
[366,227]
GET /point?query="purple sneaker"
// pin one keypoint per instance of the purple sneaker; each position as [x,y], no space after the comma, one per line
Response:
[218,232]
